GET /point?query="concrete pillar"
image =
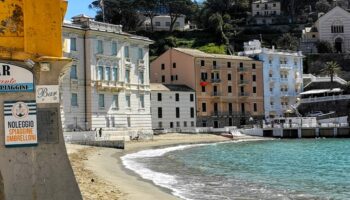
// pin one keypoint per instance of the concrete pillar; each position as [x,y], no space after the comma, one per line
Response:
[299,133]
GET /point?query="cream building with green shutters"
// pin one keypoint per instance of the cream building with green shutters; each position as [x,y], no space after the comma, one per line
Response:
[108,85]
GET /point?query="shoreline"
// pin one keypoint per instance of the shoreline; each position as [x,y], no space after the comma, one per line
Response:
[106,165]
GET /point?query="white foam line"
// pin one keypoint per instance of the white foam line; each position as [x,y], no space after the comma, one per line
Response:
[163,179]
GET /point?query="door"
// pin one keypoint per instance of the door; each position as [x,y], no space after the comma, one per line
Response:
[338,45]
[216,124]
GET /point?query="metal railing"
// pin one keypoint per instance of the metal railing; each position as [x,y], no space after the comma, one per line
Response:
[322,99]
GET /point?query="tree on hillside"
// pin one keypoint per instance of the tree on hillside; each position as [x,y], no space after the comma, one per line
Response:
[323,6]
[288,42]
[331,69]
[149,9]
[176,8]
[324,47]
[117,12]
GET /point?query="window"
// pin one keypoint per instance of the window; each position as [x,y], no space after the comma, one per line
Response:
[142,78]
[177,124]
[254,90]
[163,66]
[177,112]
[163,79]
[242,107]
[159,96]
[230,108]
[177,24]
[192,112]
[115,74]
[176,78]
[257,6]
[100,73]
[167,23]
[202,63]
[241,65]
[114,48]
[157,23]
[191,97]
[203,88]
[274,5]
[337,28]
[127,76]
[73,44]
[101,100]
[142,101]
[171,124]
[253,66]
[204,76]
[126,52]
[160,125]
[228,64]
[204,107]
[160,112]
[73,72]
[115,101]
[185,124]
[255,107]
[128,101]
[172,78]
[229,89]
[214,63]
[174,65]
[140,54]
[74,99]
[192,124]
[229,77]
[99,46]
[108,74]
[254,78]
[177,97]
[129,121]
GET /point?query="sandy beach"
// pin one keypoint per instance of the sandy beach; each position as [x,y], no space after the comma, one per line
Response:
[101,175]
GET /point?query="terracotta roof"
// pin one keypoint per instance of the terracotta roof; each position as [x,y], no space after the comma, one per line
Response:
[170,87]
[201,54]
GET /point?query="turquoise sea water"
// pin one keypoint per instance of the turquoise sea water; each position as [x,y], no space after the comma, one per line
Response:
[278,169]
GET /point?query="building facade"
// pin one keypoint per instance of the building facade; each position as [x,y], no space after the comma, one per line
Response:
[265,12]
[229,89]
[333,27]
[282,74]
[108,85]
[162,23]
[173,107]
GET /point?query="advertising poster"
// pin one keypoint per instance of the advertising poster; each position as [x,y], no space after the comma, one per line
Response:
[15,79]
[20,123]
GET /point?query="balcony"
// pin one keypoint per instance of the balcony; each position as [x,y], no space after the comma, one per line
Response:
[113,86]
[215,94]
[243,94]
[285,67]
[230,114]
[242,69]
[215,80]
[243,82]
[274,79]
[284,79]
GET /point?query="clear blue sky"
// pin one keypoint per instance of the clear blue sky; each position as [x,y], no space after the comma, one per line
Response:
[76,7]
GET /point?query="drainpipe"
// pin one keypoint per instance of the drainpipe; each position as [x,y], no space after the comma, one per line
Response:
[85,82]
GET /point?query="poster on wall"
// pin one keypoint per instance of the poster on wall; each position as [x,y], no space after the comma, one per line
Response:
[47,94]
[20,123]
[15,79]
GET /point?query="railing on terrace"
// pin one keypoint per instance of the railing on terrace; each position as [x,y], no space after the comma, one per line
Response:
[322,99]
[215,80]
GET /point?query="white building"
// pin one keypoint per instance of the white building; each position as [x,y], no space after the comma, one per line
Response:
[108,84]
[173,106]
[163,22]
[282,73]
[333,27]
[265,11]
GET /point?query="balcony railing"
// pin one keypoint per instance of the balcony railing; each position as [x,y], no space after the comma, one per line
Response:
[285,67]
[215,94]
[322,99]
[243,82]
[243,94]
[215,80]
[242,69]
[230,113]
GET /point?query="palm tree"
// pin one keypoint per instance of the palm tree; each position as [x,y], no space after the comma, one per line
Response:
[331,69]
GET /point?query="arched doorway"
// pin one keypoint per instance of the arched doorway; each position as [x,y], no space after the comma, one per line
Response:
[338,45]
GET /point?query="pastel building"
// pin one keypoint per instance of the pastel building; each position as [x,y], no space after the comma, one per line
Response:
[229,89]
[265,11]
[334,27]
[108,84]
[162,23]
[173,107]
[282,75]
